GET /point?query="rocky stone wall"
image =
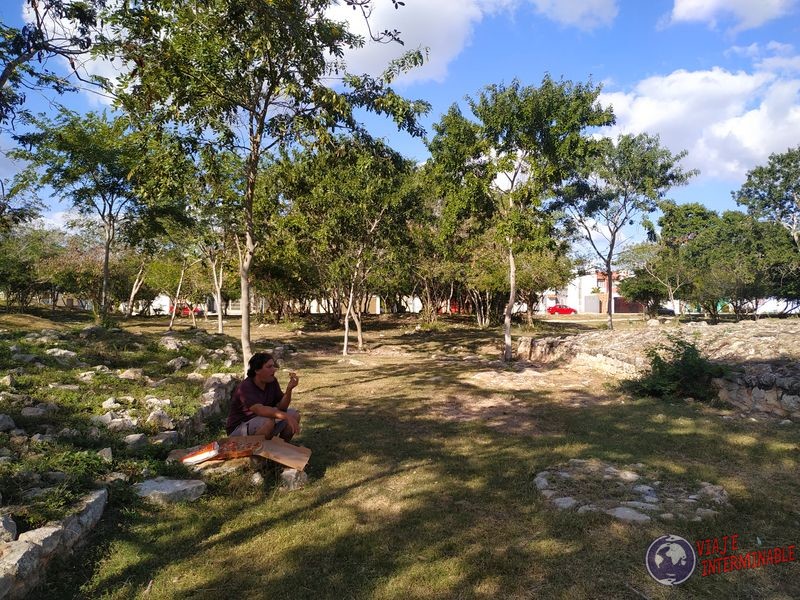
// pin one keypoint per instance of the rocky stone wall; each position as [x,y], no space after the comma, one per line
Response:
[762,357]
[23,561]
[24,558]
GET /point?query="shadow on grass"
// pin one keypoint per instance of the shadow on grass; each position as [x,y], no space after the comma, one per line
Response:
[403,503]
[406,502]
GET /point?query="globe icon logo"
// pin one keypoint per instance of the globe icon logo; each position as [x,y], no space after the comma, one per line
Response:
[670,560]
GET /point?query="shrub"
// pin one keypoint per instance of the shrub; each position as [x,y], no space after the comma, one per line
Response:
[678,370]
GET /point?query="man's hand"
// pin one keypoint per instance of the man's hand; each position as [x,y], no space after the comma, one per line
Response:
[292,424]
[293,381]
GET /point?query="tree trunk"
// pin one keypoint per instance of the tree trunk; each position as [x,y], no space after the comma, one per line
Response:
[609,299]
[357,320]
[347,322]
[109,237]
[137,284]
[450,299]
[217,277]
[177,296]
[530,301]
[245,262]
[508,352]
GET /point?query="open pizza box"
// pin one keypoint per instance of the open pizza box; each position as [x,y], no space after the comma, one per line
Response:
[276,449]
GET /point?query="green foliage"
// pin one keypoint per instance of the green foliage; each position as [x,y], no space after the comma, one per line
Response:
[643,288]
[622,182]
[25,51]
[678,370]
[493,171]
[772,192]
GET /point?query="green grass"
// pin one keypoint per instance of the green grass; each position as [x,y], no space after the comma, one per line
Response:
[421,486]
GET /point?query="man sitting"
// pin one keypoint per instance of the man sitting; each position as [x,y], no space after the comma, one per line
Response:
[259,407]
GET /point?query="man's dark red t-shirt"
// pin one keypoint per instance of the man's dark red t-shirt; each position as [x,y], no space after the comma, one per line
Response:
[247,394]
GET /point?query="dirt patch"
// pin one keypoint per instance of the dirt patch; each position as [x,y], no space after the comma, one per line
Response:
[503,410]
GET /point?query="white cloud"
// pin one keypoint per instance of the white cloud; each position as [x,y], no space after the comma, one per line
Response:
[57,219]
[445,27]
[728,121]
[748,14]
[772,57]
[583,14]
[751,51]
[86,67]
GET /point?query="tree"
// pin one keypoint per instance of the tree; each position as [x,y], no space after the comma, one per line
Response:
[540,271]
[624,181]
[57,28]
[250,76]
[772,192]
[351,205]
[660,265]
[14,210]
[524,141]
[643,288]
[90,161]
[733,261]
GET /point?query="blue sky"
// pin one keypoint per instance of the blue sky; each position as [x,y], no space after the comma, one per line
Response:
[718,78]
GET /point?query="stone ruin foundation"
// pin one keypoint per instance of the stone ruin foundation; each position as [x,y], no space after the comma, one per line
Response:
[627,494]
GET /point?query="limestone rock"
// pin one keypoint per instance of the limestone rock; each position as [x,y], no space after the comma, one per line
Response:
[91,331]
[564,503]
[106,455]
[8,529]
[153,402]
[7,423]
[61,353]
[166,438]
[47,538]
[111,404]
[292,479]
[103,419]
[641,505]
[160,419]
[166,491]
[20,559]
[33,411]
[123,424]
[170,342]
[131,374]
[23,358]
[178,363]
[628,514]
[135,441]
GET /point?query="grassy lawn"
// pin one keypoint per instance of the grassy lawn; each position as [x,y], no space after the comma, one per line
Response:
[421,483]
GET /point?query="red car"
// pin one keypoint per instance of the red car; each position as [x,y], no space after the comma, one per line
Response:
[185,311]
[562,309]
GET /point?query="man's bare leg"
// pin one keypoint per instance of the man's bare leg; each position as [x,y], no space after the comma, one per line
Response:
[286,434]
[266,428]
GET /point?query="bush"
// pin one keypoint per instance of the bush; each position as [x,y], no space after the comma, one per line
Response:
[678,370]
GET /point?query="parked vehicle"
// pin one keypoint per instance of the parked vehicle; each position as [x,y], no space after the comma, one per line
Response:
[185,311]
[562,309]
[668,312]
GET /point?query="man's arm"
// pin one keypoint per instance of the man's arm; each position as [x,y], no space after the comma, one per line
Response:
[274,412]
[287,396]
